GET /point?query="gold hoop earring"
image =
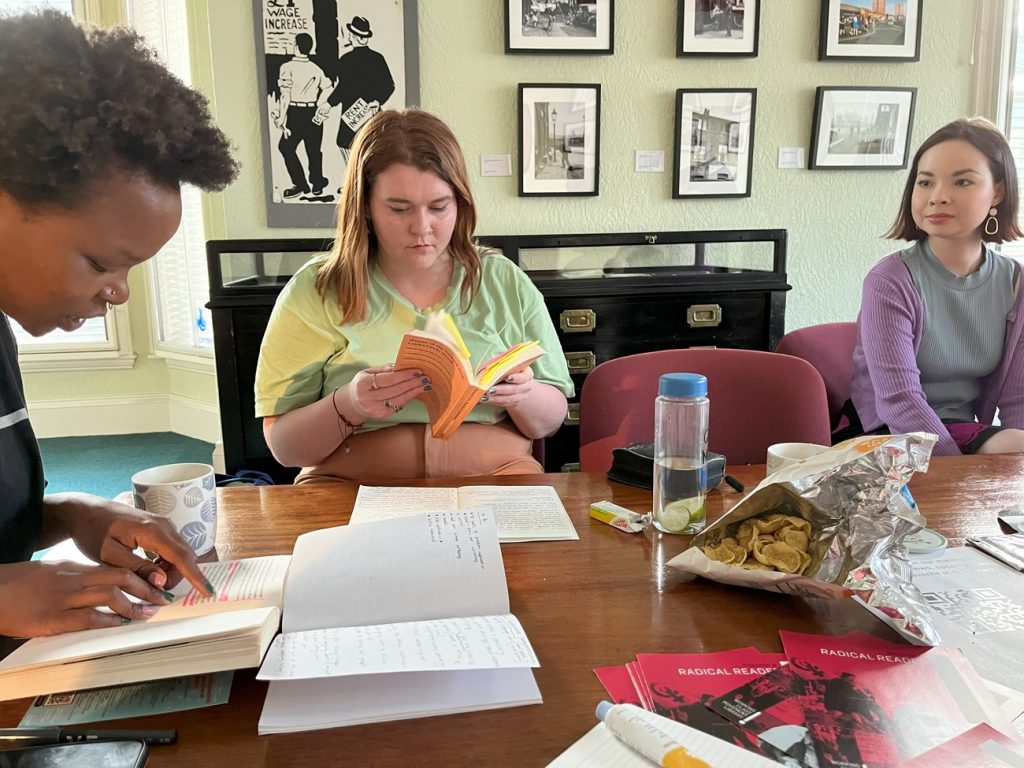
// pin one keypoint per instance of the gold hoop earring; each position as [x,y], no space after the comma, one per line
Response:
[992,223]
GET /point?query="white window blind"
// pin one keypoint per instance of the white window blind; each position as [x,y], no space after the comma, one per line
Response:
[180,287]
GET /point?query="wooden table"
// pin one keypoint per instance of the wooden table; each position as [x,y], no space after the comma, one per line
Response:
[584,604]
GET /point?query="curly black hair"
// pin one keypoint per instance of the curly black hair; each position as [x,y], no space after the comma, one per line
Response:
[77,105]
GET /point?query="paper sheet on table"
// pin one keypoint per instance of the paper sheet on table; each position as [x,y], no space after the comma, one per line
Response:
[599,748]
[522,512]
[477,642]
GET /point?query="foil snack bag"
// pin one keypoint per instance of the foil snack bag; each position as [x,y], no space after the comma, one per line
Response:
[829,526]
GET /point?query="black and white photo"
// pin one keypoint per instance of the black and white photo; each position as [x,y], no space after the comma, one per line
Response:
[717,27]
[559,139]
[870,29]
[325,67]
[569,26]
[867,128]
[714,142]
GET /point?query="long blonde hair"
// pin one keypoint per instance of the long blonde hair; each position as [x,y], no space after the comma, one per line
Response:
[410,137]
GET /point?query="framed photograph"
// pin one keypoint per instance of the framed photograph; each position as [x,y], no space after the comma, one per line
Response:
[324,67]
[717,27]
[571,26]
[559,139]
[870,29]
[865,128]
[714,142]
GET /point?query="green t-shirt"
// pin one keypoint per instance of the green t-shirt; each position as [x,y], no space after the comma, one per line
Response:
[307,352]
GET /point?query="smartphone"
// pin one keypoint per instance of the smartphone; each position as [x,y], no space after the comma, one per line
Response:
[95,754]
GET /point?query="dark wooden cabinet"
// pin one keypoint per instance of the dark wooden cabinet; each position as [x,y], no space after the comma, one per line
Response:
[609,295]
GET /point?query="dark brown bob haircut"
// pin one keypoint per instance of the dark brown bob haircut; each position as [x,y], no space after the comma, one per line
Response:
[987,139]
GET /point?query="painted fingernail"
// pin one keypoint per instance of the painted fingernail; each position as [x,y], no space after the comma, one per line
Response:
[491,391]
[418,373]
[483,399]
[428,388]
[125,620]
[425,380]
[209,587]
[169,596]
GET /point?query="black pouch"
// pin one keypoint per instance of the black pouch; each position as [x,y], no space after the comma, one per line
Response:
[634,465]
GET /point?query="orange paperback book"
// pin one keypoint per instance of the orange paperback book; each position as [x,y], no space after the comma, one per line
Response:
[439,351]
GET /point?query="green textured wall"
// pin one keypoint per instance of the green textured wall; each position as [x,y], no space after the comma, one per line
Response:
[835,218]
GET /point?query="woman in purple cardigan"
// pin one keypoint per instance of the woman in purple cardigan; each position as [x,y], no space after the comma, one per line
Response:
[940,343]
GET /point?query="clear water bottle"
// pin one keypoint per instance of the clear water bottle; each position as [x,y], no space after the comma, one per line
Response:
[680,448]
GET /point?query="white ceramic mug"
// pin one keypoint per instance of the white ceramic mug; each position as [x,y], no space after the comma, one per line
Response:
[186,494]
[783,454]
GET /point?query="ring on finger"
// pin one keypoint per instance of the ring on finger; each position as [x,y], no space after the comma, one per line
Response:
[373,381]
[387,404]
[396,408]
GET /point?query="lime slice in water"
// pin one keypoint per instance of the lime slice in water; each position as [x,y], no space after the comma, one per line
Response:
[681,513]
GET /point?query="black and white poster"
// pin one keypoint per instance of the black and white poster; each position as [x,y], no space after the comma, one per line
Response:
[325,67]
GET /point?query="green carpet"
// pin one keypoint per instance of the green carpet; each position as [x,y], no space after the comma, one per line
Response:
[104,465]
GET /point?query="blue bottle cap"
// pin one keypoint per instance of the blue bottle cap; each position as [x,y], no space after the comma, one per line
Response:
[682,385]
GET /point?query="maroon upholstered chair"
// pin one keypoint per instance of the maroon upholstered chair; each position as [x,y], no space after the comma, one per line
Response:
[757,398]
[829,348]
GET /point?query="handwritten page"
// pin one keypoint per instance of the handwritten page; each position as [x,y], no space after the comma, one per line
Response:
[307,705]
[600,748]
[449,566]
[522,512]
[476,642]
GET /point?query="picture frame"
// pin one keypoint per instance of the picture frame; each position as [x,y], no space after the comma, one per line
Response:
[559,139]
[714,142]
[304,153]
[543,26]
[718,27]
[867,128]
[861,30]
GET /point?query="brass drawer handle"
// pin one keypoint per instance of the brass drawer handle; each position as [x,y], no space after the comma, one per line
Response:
[704,316]
[573,416]
[580,362]
[577,320]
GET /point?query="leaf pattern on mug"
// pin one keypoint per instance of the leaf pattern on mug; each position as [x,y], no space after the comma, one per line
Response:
[160,501]
[194,533]
[193,497]
[140,501]
[209,510]
[209,482]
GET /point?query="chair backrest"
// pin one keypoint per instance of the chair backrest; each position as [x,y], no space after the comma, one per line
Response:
[757,399]
[829,348]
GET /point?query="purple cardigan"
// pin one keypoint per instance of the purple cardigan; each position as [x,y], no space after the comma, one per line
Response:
[886,380]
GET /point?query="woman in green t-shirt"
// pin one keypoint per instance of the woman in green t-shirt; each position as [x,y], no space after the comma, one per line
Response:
[331,399]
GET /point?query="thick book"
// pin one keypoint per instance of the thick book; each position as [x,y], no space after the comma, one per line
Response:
[193,635]
[521,512]
[456,387]
[396,619]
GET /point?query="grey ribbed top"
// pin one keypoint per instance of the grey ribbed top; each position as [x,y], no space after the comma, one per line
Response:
[964,327]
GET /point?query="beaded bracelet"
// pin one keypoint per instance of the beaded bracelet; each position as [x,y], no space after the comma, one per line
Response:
[341,416]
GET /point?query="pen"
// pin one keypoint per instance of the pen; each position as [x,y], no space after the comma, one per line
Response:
[633,727]
[736,484]
[25,737]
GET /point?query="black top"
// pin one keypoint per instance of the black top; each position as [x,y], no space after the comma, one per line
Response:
[21,468]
